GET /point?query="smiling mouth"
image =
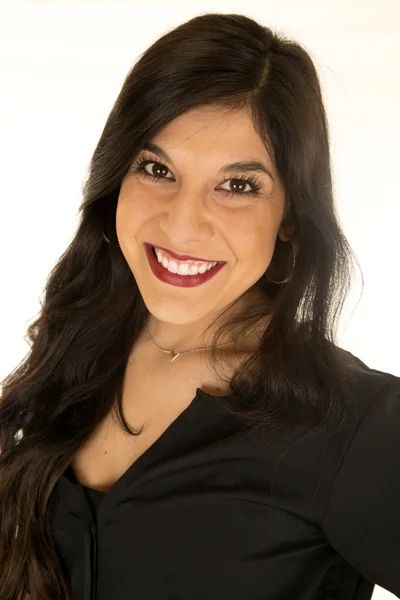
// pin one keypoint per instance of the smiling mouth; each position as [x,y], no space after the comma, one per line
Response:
[181,275]
[179,258]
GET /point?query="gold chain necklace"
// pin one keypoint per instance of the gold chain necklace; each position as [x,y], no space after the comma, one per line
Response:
[176,355]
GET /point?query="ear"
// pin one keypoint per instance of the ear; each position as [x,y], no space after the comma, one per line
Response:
[286,232]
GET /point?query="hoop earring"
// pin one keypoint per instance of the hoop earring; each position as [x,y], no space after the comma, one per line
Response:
[294,264]
[108,241]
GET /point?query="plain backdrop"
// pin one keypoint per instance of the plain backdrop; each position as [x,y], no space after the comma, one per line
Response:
[62,64]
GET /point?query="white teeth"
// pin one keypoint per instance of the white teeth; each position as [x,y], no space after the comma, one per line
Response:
[182,268]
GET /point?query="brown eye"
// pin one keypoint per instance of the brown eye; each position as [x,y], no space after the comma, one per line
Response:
[238,186]
[156,170]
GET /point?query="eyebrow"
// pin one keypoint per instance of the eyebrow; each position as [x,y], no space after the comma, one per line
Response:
[235,166]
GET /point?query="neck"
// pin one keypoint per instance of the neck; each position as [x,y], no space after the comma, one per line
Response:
[192,336]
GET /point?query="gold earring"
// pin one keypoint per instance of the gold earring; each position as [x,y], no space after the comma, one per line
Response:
[108,241]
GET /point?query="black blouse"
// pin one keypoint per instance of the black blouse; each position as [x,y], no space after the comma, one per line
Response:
[205,514]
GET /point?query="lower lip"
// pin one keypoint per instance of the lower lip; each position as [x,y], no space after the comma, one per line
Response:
[174,278]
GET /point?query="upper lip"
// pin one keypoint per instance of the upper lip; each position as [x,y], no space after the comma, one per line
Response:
[182,256]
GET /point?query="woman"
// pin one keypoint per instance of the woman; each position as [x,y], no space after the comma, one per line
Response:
[184,425]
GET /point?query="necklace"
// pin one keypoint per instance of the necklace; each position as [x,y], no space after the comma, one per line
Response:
[176,355]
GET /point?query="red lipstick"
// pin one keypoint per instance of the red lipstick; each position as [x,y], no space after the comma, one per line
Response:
[175,278]
[182,256]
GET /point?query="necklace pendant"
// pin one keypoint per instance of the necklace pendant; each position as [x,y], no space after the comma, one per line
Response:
[174,355]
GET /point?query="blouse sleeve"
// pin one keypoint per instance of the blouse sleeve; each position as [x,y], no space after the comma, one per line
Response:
[362,515]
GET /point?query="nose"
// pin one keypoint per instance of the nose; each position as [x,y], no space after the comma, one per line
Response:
[185,218]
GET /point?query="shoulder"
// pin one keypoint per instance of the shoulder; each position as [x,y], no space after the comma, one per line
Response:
[362,513]
[372,432]
[376,392]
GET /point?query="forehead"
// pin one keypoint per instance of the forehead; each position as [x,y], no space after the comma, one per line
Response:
[212,129]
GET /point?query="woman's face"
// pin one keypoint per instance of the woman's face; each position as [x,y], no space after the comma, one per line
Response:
[184,205]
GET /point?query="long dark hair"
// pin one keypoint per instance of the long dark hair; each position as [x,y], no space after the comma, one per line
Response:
[93,312]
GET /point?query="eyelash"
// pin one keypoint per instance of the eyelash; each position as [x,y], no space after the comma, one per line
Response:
[139,168]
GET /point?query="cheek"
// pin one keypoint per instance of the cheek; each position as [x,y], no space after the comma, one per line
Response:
[255,244]
[134,207]
[122,216]
[257,236]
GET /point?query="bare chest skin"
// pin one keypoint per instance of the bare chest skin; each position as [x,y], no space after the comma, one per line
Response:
[155,393]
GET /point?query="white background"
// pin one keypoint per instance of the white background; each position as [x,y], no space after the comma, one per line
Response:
[62,64]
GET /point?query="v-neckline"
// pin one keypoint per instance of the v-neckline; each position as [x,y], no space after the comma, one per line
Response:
[144,460]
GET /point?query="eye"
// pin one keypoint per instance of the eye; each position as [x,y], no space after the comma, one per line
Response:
[152,172]
[140,167]
[241,182]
